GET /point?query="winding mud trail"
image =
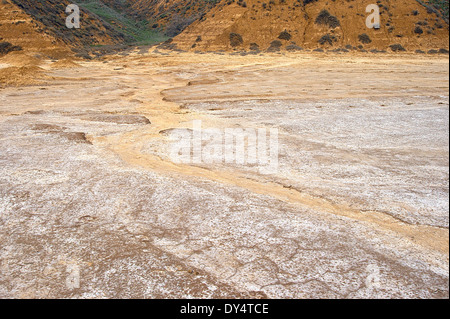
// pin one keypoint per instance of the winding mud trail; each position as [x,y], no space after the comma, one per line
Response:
[166,115]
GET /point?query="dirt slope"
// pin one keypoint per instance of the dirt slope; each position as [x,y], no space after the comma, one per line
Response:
[256,24]
[24,33]
[31,32]
[170,16]
[38,29]
[51,14]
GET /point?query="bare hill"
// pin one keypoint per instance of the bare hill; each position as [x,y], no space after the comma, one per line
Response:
[40,27]
[19,32]
[51,14]
[294,24]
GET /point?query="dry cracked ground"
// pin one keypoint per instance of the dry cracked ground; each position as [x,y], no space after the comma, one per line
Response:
[92,206]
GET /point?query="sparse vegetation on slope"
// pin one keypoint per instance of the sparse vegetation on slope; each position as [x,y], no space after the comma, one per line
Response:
[103,22]
[51,14]
[312,24]
[6,47]
[135,28]
[24,38]
[442,7]
[338,26]
[170,16]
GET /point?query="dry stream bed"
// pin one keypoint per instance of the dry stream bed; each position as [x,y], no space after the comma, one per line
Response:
[92,206]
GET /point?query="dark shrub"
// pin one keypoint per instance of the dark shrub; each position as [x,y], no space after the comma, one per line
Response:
[364,38]
[6,47]
[285,36]
[275,46]
[325,18]
[293,47]
[418,30]
[236,40]
[254,47]
[397,48]
[327,39]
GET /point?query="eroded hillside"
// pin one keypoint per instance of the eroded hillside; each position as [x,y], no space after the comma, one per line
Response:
[214,25]
[51,15]
[293,24]
[170,16]
[20,32]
